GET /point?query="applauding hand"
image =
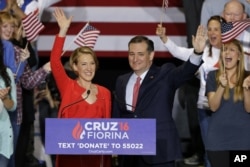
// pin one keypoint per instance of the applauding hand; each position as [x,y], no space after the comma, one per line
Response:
[246,83]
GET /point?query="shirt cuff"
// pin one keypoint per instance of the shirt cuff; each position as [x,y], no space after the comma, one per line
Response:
[195,59]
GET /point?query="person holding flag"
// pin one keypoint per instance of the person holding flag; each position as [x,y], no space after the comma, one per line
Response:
[210,59]
[228,95]
[234,11]
[80,97]
[148,92]
[28,80]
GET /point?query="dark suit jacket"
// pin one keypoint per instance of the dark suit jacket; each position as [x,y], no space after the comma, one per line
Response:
[155,100]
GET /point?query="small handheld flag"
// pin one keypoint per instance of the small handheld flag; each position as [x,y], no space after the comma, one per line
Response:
[164,6]
[233,29]
[166,3]
[87,36]
[32,26]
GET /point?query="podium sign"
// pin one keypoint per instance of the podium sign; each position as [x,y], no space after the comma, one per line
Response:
[100,136]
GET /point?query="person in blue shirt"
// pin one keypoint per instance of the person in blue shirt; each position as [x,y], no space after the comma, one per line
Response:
[7,27]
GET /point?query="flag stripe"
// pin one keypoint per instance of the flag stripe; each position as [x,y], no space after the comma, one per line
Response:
[120,14]
[32,26]
[121,54]
[120,28]
[131,3]
[114,45]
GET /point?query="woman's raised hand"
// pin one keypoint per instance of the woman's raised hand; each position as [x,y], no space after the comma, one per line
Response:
[62,21]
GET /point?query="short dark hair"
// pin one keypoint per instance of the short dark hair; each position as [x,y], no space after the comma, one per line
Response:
[216,18]
[140,39]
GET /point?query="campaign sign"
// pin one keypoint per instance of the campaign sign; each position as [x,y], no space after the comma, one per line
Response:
[100,136]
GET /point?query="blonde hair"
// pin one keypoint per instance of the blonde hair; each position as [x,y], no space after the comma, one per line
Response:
[78,52]
[240,72]
[6,17]
[17,34]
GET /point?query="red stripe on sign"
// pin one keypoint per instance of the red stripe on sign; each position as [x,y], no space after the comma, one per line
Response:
[143,3]
[115,54]
[119,28]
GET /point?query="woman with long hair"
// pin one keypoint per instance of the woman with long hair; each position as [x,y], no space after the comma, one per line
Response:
[228,95]
[8,103]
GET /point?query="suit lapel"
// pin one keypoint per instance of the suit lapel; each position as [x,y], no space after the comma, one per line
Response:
[146,83]
[124,83]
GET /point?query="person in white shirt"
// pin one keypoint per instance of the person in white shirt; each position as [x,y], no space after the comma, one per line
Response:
[210,61]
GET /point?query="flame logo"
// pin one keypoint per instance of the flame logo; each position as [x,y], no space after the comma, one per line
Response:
[78,131]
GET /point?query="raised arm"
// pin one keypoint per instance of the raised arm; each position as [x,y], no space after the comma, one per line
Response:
[178,52]
[57,68]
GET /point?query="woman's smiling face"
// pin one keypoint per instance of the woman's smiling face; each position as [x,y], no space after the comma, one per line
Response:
[7,29]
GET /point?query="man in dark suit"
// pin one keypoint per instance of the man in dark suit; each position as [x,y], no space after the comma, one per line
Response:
[155,98]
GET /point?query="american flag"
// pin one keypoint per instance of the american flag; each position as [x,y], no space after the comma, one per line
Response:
[87,36]
[166,3]
[233,29]
[118,22]
[32,26]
